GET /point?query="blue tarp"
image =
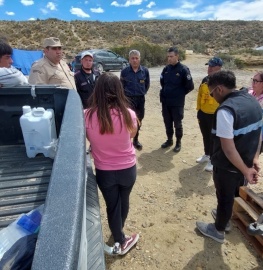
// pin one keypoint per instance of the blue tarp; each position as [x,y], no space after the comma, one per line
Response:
[24,59]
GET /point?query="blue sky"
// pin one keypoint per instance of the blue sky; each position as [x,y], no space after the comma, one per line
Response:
[129,10]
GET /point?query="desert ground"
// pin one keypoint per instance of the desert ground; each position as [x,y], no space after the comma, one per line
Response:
[172,192]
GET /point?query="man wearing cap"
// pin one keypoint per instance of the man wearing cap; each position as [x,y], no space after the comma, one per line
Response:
[9,75]
[176,82]
[206,106]
[51,69]
[85,78]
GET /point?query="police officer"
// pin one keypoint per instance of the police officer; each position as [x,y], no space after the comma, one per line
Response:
[85,78]
[51,69]
[176,82]
[136,82]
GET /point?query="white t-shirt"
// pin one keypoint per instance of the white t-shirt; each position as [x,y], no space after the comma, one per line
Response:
[10,77]
[224,124]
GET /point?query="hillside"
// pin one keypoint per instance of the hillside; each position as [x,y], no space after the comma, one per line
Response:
[200,36]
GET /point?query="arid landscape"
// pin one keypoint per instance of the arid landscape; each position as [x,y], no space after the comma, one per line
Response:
[172,192]
[210,37]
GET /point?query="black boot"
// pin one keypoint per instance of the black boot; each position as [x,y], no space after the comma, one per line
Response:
[168,143]
[137,145]
[177,147]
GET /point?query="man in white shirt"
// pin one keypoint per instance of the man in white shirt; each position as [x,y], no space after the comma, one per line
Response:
[236,143]
[9,75]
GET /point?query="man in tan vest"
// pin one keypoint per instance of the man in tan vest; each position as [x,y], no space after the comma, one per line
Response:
[51,69]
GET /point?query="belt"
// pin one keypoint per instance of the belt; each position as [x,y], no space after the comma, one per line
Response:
[135,97]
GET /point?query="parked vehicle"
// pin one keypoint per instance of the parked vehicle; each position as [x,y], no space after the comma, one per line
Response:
[103,60]
[70,235]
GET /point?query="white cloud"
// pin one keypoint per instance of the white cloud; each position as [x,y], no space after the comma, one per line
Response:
[175,13]
[228,10]
[27,2]
[127,3]
[189,5]
[239,10]
[32,19]
[149,15]
[44,11]
[151,4]
[10,13]
[1,2]
[79,12]
[51,6]
[97,10]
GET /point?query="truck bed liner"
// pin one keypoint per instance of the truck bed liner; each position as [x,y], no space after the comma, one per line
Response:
[23,182]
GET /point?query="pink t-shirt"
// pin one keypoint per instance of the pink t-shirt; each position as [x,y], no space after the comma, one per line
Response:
[111,151]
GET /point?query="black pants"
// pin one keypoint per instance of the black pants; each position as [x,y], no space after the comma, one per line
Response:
[227,186]
[205,121]
[173,116]
[138,105]
[116,187]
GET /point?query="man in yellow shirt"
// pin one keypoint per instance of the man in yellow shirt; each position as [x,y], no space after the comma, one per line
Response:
[206,106]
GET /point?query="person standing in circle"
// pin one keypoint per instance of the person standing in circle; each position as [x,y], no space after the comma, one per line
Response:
[206,105]
[110,125]
[176,82]
[135,79]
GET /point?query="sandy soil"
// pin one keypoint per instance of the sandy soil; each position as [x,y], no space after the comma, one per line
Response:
[172,192]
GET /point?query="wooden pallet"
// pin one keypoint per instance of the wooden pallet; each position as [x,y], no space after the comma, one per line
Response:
[246,210]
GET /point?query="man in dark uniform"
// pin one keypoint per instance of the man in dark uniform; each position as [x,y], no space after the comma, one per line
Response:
[85,78]
[176,82]
[136,82]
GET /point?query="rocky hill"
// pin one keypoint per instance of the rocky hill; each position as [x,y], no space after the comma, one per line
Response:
[200,36]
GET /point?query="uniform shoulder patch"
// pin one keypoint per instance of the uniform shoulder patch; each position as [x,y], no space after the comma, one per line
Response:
[36,71]
[189,77]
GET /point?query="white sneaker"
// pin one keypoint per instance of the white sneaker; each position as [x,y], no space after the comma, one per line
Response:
[203,159]
[209,166]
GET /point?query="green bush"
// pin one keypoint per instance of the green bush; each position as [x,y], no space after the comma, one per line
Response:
[151,54]
[239,63]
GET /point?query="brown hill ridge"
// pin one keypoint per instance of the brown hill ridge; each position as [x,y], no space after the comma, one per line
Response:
[199,36]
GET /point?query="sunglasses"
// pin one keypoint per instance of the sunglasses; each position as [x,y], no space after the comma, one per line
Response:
[211,92]
[255,81]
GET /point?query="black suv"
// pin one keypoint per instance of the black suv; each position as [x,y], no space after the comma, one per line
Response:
[103,60]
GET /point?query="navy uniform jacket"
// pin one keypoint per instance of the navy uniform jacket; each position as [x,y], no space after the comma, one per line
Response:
[135,83]
[85,85]
[176,82]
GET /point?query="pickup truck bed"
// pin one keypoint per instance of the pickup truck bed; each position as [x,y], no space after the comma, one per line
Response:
[23,183]
[70,234]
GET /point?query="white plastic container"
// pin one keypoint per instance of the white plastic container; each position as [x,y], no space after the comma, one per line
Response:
[39,131]
[9,235]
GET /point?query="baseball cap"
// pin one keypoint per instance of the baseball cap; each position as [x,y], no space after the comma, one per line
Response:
[215,61]
[86,53]
[52,42]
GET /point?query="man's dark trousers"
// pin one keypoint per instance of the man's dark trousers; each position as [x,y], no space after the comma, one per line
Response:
[227,186]
[138,105]
[173,115]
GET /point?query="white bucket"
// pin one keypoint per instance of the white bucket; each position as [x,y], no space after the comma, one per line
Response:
[39,131]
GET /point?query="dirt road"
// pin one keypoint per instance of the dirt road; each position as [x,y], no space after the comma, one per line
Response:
[172,192]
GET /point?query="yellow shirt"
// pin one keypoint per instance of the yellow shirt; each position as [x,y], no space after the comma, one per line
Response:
[44,71]
[205,102]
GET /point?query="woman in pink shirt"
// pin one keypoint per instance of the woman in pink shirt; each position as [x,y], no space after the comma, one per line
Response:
[257,92]
[110,125]
[257,87]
